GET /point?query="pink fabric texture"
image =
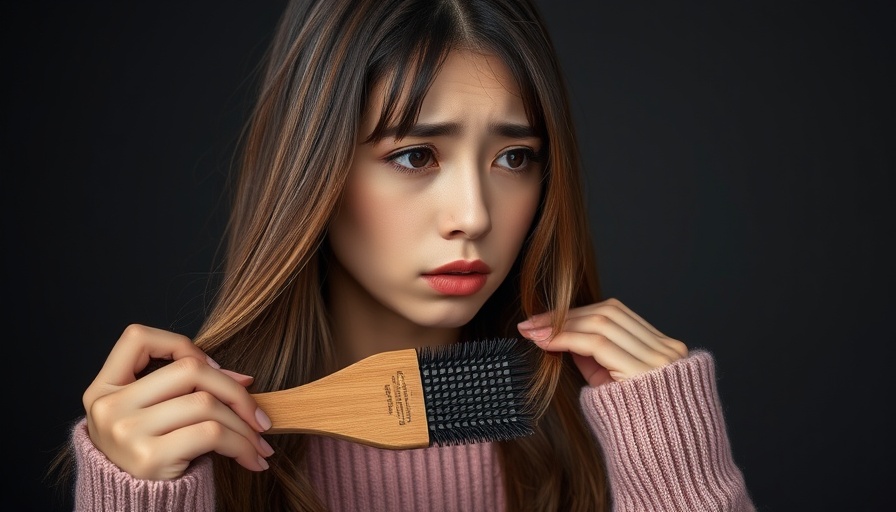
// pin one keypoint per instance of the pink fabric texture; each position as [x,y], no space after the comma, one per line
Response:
[102,486]
[664,438]
[350,476]
[663,435]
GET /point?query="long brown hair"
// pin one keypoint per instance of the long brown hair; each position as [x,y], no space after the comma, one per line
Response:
[270,318]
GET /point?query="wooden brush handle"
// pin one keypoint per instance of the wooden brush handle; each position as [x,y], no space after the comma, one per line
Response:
[377,401]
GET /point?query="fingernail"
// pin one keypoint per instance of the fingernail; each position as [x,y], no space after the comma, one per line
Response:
[236,375]
[268,449]
[263,463]
[535,321]
[539,334]
[262,419]
[211,362]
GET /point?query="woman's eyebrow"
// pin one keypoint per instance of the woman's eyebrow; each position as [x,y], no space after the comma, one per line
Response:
[425,130]
[512,130]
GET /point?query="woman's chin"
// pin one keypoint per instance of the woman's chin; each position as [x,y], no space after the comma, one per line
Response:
[452,317]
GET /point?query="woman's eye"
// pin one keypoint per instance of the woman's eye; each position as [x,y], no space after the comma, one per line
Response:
[515,159]
[414,158]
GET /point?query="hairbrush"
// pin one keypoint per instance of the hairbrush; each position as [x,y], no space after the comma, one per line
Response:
[468,392]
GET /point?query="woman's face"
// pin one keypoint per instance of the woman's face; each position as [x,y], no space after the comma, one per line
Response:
[431,224]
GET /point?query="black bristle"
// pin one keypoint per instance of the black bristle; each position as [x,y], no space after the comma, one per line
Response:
[476,391]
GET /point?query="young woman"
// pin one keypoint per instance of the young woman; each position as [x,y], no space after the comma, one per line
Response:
[409,177]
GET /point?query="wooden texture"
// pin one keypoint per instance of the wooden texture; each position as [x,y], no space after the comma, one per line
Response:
[377,401]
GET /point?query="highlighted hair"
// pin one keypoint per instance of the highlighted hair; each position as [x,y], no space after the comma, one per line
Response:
[269,318]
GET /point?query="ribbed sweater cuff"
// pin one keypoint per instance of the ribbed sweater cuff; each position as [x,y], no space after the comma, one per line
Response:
[102,486]
[664,440]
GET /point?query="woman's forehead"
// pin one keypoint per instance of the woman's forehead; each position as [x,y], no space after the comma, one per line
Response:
[467,82]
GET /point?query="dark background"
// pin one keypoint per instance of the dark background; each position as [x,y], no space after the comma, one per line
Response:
[741,182]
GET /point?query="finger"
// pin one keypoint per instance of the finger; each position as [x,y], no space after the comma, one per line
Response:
[634,323]
[167,457]
[616,303]
[137,344]
[545,319]
[678,348]
[619,363]
[624,319]
[209,436]
[188,375]
[198,407]
[601,325]
[619,312]
[593,372]
[650,351]
[242,379]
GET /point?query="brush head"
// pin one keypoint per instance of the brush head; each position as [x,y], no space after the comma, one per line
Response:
[477,391]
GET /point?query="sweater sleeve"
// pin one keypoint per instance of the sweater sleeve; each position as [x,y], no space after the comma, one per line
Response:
[664,439]
[102,486]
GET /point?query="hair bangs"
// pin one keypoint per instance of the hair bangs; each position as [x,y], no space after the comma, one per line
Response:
[429,33]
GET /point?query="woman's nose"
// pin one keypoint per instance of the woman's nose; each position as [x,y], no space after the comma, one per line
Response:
[465,207]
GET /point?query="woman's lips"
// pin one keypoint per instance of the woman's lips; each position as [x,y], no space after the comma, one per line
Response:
[458,277]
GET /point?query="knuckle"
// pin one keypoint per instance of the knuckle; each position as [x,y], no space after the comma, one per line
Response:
[204,400]
[180,338]
[678,346]
[212,430]
[189,364]
[134,332]
[121,430]
[600,340]
[598,320]
[145,463]
[612,301]
[88,398]
[137,333]
[102,409]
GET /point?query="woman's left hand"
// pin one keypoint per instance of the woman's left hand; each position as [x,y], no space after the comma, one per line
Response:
[608,341]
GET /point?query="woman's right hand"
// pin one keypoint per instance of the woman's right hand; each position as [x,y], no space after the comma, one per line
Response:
[152,427]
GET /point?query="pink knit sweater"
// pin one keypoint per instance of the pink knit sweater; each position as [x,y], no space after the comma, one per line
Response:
[663,435]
